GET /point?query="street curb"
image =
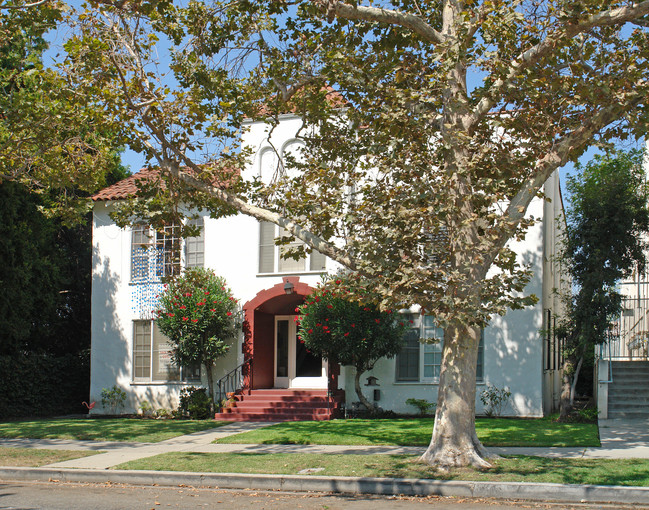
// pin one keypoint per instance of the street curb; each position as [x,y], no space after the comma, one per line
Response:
[340,484]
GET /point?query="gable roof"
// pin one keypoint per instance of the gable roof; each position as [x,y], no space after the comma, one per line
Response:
[127,188]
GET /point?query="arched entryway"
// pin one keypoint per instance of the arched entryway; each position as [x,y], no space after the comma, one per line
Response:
[279,359]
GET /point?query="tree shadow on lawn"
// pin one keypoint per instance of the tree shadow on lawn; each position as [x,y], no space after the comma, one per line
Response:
[627,472]
[109,429]
[403,432]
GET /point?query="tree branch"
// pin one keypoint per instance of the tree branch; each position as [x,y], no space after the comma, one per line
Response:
[556,158]
[392,17]
[531,56]
[26,6]
[262,214]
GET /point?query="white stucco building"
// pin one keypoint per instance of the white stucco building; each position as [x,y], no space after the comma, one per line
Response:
[128,351]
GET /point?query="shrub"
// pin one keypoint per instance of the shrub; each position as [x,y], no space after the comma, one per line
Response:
[194,403]
[163,413]
[146,408]
[43,385]
[346,332]
[200,317]
[113,399]
[422,404]
[495,400]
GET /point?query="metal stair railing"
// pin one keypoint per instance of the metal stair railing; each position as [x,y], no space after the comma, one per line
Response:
[234,381]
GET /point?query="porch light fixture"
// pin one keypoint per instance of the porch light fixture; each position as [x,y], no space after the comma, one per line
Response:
[288,287]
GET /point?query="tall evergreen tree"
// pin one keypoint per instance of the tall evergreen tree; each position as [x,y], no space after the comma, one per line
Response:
[606,240]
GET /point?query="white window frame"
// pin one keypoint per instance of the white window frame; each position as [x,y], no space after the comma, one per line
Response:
[149,349]
[430,353]
[314,263]
[153,262]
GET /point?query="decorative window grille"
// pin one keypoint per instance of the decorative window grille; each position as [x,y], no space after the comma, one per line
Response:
[168,251]
[141,247]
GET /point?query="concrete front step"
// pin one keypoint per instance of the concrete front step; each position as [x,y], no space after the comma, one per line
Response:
[628,394]
[270,417]
[282,405]
[631,415]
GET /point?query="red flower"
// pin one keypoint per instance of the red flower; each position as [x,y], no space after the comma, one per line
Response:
[229,313]
[189,294]
[318,324]
[170,314]
[310,331]
[201,303]
[297,309]
[185,318]
[411,322]
[353,325]
[330,306]
[212,309]
[207,293]
[401,324]
[377,321]
[183,307]
[366,309]
[346,334]
[194,320]
[338,282]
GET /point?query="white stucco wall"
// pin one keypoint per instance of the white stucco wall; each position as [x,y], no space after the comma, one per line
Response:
[513,350]
[513,345]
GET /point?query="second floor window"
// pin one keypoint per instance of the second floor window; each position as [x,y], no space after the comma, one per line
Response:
[270,255]
[158,254]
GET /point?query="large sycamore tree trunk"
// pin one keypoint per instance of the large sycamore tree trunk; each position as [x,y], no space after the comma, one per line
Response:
[454,442]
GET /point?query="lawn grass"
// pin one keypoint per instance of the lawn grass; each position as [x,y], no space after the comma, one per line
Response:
[541,432]
[30,457]
[631,472]
[105,429]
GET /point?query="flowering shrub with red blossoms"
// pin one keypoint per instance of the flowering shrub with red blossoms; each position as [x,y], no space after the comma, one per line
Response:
[346,332]
[199,315]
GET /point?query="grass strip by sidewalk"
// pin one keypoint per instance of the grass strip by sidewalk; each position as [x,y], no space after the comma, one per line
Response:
[630,472]
[537,432]
[31,457]
[105,429]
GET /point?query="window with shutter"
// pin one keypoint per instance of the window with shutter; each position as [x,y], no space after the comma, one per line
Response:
[195,246]
[270,255]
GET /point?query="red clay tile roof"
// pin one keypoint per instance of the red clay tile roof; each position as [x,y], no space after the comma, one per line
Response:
[334,98]
[126,188]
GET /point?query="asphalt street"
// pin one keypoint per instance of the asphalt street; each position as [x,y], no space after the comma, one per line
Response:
[20,495]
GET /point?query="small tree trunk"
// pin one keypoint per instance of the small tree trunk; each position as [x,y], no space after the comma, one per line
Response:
[575,378]
[359,392]
[210,381]
[565,404]
[454,442]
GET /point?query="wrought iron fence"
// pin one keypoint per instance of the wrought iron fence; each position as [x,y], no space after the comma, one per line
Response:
[629,339]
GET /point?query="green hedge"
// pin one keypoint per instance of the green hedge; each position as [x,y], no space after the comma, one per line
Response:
[43,385]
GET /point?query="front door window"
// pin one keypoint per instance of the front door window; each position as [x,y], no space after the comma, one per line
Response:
[295,366]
